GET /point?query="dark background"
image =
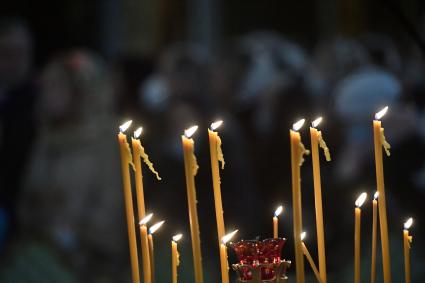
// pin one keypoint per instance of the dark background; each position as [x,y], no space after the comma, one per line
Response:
[72,71]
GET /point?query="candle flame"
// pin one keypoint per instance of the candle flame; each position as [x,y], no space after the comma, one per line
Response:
[138,132]
[177,237]
[376,195]
[278,211]
[408,223]
[381,113]
[361,199]
[296,126]
[125,126]
[155,227]
[216,124]
[145,220]
[228,237]
[316,122]
[303,235]
[189,132]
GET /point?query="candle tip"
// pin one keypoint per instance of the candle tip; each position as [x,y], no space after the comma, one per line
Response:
[228,237]
[361,199]
[296,126]
[138,132]
[216,124]
[316,122]
[303,235]
[177,237]
[155,227]
[381,113]
[145,220]
[376,195]
[408,223]
[278,211]
[125,126]
[189,132]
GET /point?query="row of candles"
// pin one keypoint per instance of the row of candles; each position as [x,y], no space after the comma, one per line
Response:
[133,160]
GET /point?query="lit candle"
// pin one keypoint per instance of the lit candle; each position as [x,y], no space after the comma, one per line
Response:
[277,212]
[357,219]
[379,142]
[139,152]
[309,258]
[223,256]
[216,156]
[316,141]
[152,230]
[374,234]
[407,240]
[147,276]
[191,168]
[126,159]
[297,158]
[175,257]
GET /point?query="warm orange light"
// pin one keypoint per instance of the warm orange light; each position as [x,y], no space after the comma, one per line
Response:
[381,113]
[316,122]
[155,227]
[361,199]
[145,220]
[228,237]
[216,124]
[189,132]
[408,223]
[298,125]
[125,126]
[138,132]
[177,237]
[278,211]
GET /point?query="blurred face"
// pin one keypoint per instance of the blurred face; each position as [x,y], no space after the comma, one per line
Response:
[15,57]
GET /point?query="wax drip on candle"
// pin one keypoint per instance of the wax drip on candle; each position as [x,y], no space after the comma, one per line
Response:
[195,163]
[145,158]
[220,155]
[123,128]
[303,151]
[323,145]
[385,144]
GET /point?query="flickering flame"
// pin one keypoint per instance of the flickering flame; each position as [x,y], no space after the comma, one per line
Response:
[155,227]
[316,122]
[303,235]
[381,113]
[298,125]
[189,132]
[361,199]
[177,237]
[216,124]
[376,195]
[278,211]
[408,223]
[145,220]
[125,126]
[228,237]
[138,132]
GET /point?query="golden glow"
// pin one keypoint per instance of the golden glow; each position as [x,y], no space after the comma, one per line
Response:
[145,220]
[376,195]
[189,132]
[216,124]
[138,132]
[278,211]
[316,122]
[177,237]
[361,199]
[125,126]
[303,235]
[408,223]
[381,113]
[298,125]
[155,227]
[228,237]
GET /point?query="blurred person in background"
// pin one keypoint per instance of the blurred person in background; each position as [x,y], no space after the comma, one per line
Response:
[17,128]
[73,199]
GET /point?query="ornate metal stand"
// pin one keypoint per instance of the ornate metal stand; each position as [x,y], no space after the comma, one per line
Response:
[263,273]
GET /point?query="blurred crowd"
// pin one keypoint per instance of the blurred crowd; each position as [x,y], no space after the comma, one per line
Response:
[60,185]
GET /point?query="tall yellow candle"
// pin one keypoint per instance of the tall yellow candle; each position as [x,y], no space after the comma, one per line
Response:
[310,259]
[316,141]
[191,168]
[374,236]
[138,153]
[152,230]
[277,212]
[357,219]
[175,257]
[126,159]
[407,240]
[379,142]
[223,256]
[297,158]
[147,275]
